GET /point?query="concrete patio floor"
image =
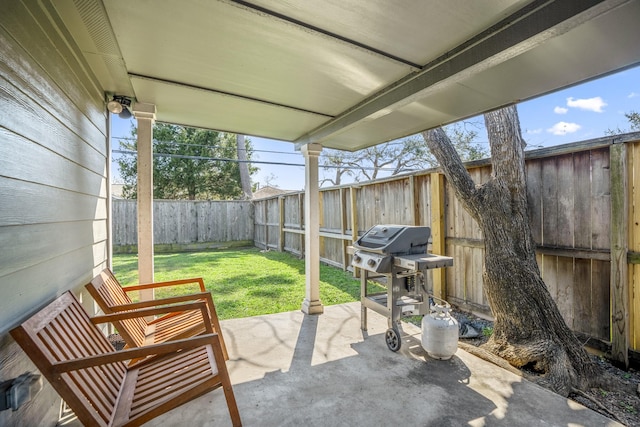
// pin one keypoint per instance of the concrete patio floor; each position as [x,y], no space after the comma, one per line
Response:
[290,369]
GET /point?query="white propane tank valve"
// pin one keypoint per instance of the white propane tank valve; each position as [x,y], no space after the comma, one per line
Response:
[439,331]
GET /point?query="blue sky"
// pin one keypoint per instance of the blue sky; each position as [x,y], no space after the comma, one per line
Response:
[578,113]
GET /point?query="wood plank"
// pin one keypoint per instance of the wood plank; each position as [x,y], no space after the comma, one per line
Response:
[564,286]
[550,275]
[281,209]
[618,243]
[413,206]
[534,198]
[582,224]
[477,265]
[550,203]
[451,274]
[583,314]
[601,196]
[564,233]
[469,282]
[600,300]
[437,232]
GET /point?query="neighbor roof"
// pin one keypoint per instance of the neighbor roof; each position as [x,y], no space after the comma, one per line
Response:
[344,73]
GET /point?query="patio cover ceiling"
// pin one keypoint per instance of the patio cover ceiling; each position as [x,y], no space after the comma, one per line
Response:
[344,73]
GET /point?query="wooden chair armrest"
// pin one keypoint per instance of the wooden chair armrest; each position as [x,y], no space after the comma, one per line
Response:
[161,301]
[135,353]
[167,283]
[144,312]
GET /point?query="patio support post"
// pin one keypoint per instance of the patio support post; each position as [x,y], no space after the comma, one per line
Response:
[312,303]
[145,115]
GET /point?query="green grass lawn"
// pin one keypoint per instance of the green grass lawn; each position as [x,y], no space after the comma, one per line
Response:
[244,282]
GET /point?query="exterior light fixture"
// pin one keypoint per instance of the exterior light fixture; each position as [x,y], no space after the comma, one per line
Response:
[120,105]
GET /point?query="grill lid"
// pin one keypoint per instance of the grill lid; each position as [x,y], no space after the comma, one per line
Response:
[394,239]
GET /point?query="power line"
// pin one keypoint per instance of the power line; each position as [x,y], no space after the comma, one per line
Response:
[213,146]
[222,159]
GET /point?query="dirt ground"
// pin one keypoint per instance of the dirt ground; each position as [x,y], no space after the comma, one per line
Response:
[621,406]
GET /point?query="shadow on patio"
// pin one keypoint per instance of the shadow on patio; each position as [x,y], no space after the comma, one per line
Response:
[289,369]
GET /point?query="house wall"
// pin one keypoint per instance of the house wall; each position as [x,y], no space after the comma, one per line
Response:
[53,182]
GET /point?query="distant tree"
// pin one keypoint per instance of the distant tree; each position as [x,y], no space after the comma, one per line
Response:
[396,157]
[634,120]
[269,179]
[188,164]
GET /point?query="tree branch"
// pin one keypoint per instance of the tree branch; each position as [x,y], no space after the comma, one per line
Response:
[443,150]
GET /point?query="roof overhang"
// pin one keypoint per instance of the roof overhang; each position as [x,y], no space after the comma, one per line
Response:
[344,73]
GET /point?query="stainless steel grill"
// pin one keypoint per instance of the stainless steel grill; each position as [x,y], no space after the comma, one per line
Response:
[395,256]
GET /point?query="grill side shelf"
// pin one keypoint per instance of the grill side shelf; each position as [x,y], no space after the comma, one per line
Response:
[419,262]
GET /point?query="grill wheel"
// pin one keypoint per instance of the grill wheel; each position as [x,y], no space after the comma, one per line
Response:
[392,337]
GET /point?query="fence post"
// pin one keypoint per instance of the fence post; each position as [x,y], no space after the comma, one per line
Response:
[343,228]
[301,222]
[265,216]
[281,230]
[354,223]
[412,200]
[437,232]
[619,243]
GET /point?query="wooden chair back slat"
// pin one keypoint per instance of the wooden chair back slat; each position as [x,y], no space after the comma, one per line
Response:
[93,383]
[178,326]
[106,290]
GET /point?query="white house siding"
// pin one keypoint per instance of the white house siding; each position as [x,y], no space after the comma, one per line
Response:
[53,182]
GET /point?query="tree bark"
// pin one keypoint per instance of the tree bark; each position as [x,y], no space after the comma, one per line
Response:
[245,179]
[529,329]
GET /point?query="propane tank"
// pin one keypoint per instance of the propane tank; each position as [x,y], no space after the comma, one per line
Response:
[439,331]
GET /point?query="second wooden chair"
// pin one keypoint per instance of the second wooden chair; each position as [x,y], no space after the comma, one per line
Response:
[112,298]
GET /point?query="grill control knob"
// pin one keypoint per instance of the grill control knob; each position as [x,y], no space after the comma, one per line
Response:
[371,262]
[356,258]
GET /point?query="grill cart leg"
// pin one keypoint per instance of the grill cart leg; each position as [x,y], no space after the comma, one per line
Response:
[363,295]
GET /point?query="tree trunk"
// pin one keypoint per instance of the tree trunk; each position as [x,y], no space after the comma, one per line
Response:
[245,179]
[528,329]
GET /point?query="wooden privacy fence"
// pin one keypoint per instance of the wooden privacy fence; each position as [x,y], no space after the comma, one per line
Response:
[183,224]
[585,218]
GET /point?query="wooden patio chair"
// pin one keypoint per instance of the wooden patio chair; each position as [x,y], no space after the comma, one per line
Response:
[111,297]
[97,382]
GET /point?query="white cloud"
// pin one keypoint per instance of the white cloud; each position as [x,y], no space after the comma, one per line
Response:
[563,128]
[590,104]
[560,110]
[633,95]
[534,131]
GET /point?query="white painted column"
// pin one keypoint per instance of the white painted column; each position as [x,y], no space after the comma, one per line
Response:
[146,115]
[312,303]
